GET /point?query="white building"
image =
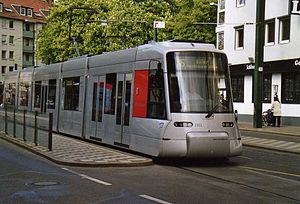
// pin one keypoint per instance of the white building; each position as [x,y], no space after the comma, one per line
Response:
[281,71]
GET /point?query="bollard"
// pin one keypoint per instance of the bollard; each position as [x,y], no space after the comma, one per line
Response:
[14,129]
[35,128]
[5,125]
[24,126]
[50,131]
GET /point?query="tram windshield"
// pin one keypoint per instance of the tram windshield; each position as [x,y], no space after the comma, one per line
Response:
[199,83]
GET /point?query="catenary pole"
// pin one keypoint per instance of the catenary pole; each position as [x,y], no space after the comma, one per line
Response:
[259,62]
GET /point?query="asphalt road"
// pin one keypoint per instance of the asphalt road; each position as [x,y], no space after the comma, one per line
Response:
[259,176]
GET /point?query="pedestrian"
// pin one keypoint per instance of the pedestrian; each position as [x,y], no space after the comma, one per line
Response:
[276,109]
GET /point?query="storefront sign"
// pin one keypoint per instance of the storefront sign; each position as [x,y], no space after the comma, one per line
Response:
[295,7]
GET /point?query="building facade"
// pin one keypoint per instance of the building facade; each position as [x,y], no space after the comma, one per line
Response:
[20,22]
[281,70]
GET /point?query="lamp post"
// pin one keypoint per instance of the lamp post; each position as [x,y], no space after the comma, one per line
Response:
[259,62]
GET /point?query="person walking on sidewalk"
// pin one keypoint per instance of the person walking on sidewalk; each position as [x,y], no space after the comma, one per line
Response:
[276,109]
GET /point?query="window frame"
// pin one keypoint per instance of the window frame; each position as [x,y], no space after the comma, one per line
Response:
[240,4]
[23,11]
[221,40]
[281,29]
[290,93]
[71,93]
[238,36]
[237,84]
[11,55]
[267,32]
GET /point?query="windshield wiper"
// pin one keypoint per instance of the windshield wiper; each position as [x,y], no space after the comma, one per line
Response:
[212,111]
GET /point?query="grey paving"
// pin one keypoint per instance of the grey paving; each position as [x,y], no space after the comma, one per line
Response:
[73,152]
[279,145]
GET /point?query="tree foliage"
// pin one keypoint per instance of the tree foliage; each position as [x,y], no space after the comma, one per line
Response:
[129,23]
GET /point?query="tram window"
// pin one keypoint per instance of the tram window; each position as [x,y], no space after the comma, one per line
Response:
[94,102]
[10,94]
[127,100]
[156,98]
[37,94]
[51,94]
[24,93]
[71,100]
[110,94]
[100,98]
[119,102]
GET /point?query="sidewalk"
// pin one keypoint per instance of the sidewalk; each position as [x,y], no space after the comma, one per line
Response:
[282,144]
[73,152]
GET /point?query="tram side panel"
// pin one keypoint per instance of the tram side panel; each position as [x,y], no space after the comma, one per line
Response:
[71,98]
[149,115]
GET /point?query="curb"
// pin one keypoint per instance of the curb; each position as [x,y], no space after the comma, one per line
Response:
[270,148]
[268,131]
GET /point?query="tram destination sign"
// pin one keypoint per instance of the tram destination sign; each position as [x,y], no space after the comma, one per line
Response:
[295,7]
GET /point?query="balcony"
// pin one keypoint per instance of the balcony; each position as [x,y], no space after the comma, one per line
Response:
[28,49]
[28,34]
[28,63]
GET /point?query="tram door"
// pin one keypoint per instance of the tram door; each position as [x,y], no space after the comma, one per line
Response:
[96,130]
[122,136]
[44,96]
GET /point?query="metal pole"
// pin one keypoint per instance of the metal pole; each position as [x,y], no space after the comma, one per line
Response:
[155,35]
[24,125]
[50,131]
[35,128]
[259,62]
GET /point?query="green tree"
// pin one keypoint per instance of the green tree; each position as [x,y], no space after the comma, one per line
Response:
[129,23]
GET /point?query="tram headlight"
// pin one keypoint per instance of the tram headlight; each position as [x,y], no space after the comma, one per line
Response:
[227,124]
[183,124]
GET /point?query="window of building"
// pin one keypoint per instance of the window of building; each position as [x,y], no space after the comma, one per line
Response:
[221,13]
[1,7]
[11,55]
[221,40]
[238,88]
[4,39]
[27,27]
[240,3]
[221,4]
[11,68]
[267,88]
[3,54]
[221,18]
[270,32]
[290,88]
[11,24]
[284,29]
[11,39]
[27,56]
[239,37]
[16,66]
[4,23]
[51,94]
[71,88]
[23,11]
[29,12]
[3,69]
[110,93]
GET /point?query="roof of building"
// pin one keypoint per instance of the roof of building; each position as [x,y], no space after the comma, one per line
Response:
[29,10]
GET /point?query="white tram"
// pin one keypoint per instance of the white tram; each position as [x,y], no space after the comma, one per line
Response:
[167,99]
